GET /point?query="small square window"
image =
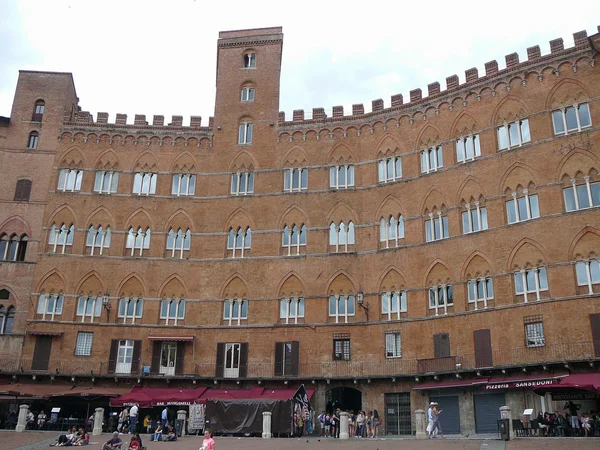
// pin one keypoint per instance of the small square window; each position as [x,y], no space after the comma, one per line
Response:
[83,347]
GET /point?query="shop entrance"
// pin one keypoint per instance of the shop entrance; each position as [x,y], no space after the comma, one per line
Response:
[397,413]
[345,398]
[487,412]
[450,419]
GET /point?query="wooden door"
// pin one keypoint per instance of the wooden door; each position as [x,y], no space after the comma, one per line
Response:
[41,353]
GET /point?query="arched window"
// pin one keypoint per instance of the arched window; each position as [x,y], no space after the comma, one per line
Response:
[172,310]
[245,134]
[440,298]
[61,236]
[391,231]
[130,308]
[144,183]
[70,180]
[295,179]
[50,305]
[98,238]
[432,159]
[468,148]
[32,142]
[89,307]
[234,310]
[436,227]
[581,193]
[178,242]
[242,183]
[138,240]
[239,241]
[13,248]
[474,218]
[247,94]
[341,236]
[513,134]
[22,191]
[588,273]
[249,60]
[522,205]
[38,111]
[390,169]
[571,119]
[533,280]
[293,238]
[7,318]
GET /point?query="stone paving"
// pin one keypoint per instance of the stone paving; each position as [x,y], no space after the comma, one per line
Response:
[32,440]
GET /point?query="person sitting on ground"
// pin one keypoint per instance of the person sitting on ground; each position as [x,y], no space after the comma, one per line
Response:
[171,436]
[114,443]
[157,436]
[135,443]
[82,438]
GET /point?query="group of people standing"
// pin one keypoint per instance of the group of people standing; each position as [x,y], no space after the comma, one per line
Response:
[360,424]
[433,427]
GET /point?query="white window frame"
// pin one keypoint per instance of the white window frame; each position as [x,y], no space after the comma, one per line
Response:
[50,304]
[432,159]
[98,238]
[559,117]
[293,237]
[89,307]
[538,282]
[391,230]
[138,240]
[250,60]
[468,148]
[393,345]
[480,290]
[183,184]
[522,136]
[242,235]
[245,133]
[295,179]
[248,93]
[394,303]
[69,180]
[175,311]
[436,228]
[231,365]
[184,244]
[125,357]
[576,194]
[124,306]
[107,182]
[242,183]
[590,270]
[389,169]
[83,344]
[467,218]
[232,305]
[39,108]
[62,237]
[337,303]
[335,175]
[514,204]
[340,237]
[534,334]
[291,309]
[144,183]
[32,141]
[440,297]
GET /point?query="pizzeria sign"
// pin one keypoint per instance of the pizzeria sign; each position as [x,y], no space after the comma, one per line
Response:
[520,384]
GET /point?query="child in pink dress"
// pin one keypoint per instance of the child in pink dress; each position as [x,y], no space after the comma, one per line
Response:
[208,443]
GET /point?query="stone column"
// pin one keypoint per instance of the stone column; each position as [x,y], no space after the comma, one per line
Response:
[98,419]
[182,415]
[344,425]
[505,413]
[22,421]
[420,424]
[266,434]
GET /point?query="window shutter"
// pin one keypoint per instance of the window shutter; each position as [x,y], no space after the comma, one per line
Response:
[220,360]
[112,356]
[483,348]
[437,345]
[295,358]
[179,358]
[445,345]
[155,365]
[23,190]
[595,323]
[243,373]
[279,358]
[135,360]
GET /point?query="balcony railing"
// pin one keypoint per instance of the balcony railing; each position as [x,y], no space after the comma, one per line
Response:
[388,367]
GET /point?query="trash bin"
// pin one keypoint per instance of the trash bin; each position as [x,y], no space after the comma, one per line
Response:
[179,424]
[504,429]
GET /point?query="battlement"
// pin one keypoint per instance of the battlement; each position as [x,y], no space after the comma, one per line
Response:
[85,118]
[534,57]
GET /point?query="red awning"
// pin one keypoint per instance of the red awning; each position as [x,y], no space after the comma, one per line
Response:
[44,333]
[31,390]
[147,397]
[171,338]
[92,391]
[256,393]
[450,384]
[284,393]
[577,381]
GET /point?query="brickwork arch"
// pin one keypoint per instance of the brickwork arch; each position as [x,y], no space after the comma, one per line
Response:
[429,136]
[15,224]
[464,124]
[387,146]
[392,279]
[341,283]
[509,109]
[63,214]
[291,286]
[179,219]
[140,217]
[470,187]
[184,163]
[585,245]
[476,265]
[173,287]
[340,154]
[72,158]
[239,218]
[295,157]
[567,92]
[527,253]
[100,215]
[390,205]
[293,215]
[341,211]
[243,161]
[132,286]
[434,199]
[438,272]
[52,282]
[517,174]
[235,287]
[577,160]
[91,284]
[145,162]
[107,160]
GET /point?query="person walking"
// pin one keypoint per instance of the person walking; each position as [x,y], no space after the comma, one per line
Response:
[133,415]
[164,418]
[573,408]
[208,443]
[435,414]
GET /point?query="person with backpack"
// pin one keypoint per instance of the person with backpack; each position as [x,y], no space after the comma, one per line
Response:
[327,425]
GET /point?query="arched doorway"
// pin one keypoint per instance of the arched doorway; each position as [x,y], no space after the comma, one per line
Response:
[345,398]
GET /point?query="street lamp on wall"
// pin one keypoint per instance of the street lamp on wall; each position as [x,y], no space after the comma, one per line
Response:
[360,299]
[105,301]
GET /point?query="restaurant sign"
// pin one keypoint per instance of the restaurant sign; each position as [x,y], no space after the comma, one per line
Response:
[575,396]
[520,384]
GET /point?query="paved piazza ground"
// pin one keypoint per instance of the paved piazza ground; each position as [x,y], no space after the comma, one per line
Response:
[9,440]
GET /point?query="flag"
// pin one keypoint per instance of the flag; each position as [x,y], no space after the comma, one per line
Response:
[301,397]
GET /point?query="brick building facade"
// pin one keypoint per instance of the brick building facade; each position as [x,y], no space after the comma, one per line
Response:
[441,248]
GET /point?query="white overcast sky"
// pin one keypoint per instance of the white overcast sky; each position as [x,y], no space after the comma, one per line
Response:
[159,57]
